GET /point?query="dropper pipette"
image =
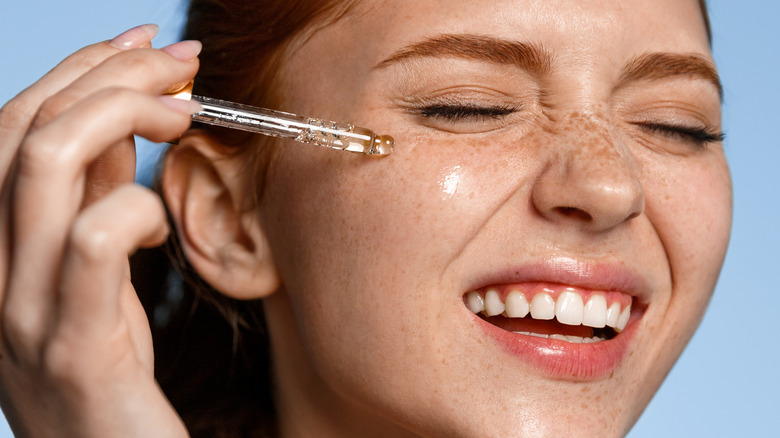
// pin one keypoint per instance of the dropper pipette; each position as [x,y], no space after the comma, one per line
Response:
[342,136]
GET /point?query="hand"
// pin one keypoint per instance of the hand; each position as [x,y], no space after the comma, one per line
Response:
[75,346]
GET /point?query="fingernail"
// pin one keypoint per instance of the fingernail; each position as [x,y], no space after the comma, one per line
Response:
[135,37]
[184,50]
[181,105]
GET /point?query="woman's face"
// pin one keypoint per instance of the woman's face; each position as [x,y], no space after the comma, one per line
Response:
[564,150]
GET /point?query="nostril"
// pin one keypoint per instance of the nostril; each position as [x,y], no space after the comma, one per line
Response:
[633,215]
[574,212]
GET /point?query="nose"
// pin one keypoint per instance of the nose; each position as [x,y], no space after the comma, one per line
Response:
[591,181]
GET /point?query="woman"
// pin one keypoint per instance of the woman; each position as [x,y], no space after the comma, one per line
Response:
[557,159]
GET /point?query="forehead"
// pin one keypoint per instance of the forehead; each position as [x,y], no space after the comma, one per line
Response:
[586,39]
[652,25]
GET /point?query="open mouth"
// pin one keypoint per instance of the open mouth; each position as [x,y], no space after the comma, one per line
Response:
[561,313]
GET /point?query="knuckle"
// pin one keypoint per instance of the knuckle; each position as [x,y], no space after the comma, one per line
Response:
[143,198]
[39,157]
[87,58]
[52,107]
[60,363]
[19,330]
[147,205]
[91,241]
[40,153]
[15,115]
[114,94]
[14,328]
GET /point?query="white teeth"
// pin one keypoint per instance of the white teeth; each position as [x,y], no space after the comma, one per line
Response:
[613,314]
[623,320]
[475,302]
[516,305]
[569,308]
[542,306]
[493,304]
[595,312]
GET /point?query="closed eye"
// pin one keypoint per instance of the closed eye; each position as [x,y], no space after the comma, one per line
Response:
[469,113]
[698,136]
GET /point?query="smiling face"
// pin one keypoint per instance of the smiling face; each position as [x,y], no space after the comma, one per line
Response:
[565,154]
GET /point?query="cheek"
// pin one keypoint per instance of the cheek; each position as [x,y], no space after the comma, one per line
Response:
[362,244]
[691,208]
[412,210]
[349,215]
[689,204]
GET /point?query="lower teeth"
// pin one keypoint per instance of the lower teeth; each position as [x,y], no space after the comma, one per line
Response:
[565,338]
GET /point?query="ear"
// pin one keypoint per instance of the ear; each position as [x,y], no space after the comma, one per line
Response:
[220,235]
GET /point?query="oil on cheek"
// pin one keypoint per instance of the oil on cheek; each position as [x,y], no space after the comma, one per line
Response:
[450,181]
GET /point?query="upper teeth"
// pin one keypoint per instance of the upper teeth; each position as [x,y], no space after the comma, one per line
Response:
[568,309]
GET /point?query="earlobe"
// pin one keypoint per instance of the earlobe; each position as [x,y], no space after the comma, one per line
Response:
[221,238]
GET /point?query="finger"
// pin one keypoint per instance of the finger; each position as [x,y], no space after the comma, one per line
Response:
[111,169]
[95,268]
[116,166]
[17,114]
[150,70]
[50,183]
[143,69]
[153,71]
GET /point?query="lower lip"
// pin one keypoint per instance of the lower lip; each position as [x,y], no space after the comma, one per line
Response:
[565,360]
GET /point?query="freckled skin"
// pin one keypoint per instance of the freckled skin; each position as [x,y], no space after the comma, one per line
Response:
[370,335]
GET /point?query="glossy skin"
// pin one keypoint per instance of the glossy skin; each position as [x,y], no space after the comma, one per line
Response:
[364,263]
[375,256]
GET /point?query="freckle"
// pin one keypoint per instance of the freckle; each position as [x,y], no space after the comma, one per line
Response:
[585,389]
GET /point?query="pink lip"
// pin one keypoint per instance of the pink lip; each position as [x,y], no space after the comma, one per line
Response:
[560,359]
[566,271]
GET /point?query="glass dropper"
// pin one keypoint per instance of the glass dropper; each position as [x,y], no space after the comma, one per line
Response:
[342,136]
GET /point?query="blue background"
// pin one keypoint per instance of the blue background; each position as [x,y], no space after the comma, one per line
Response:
[726,383]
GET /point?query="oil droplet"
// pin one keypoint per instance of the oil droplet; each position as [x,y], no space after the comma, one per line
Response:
[449,182]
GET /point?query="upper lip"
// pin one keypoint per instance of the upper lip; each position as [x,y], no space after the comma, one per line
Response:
[596,276]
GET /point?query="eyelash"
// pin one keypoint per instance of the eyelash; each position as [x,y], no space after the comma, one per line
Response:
[697,136]
[457,113]
[700,137]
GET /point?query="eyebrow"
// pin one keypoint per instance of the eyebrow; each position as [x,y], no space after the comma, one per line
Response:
[650,66]
[476,48]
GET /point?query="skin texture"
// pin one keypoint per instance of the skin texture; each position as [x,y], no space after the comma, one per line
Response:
[369,331]
[364,263]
